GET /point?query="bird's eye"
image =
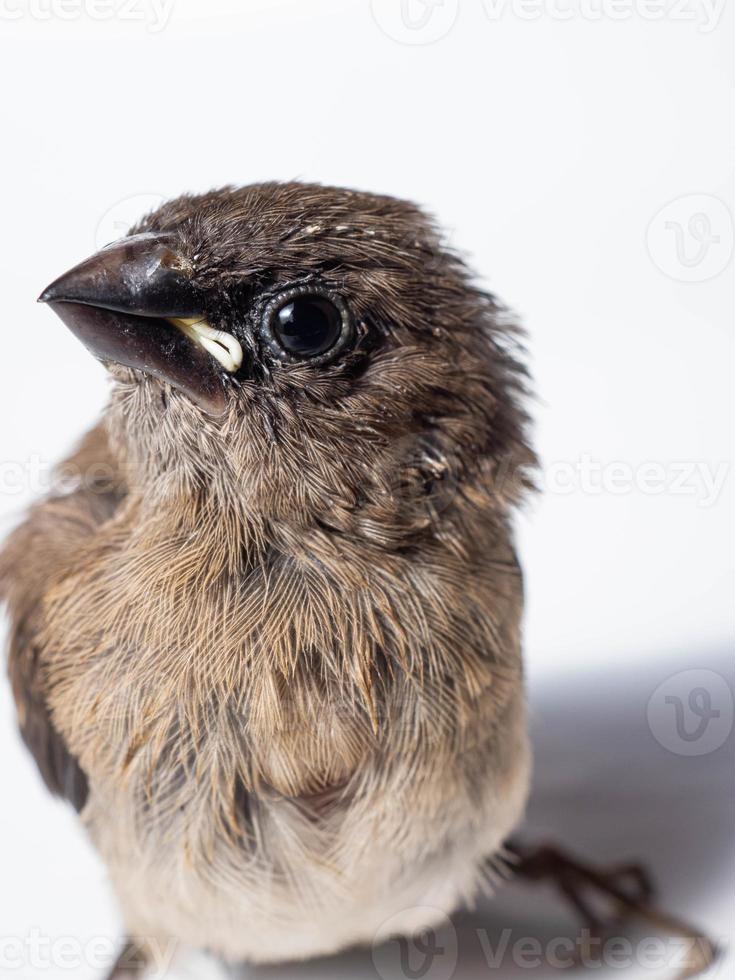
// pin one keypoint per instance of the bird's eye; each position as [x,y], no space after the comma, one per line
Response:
[306,324]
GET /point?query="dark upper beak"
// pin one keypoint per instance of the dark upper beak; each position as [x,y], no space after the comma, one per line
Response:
[118,303]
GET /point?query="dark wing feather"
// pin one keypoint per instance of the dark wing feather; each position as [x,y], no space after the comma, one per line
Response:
[36,555]
[60,770]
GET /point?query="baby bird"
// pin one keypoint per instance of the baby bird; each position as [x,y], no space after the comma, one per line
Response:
[268,643]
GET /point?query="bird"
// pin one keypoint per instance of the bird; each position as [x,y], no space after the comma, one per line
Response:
[267,639]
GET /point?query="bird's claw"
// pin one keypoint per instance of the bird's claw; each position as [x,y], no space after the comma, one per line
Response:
[606,897]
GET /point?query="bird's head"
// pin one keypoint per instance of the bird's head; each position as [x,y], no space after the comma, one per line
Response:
[317,355]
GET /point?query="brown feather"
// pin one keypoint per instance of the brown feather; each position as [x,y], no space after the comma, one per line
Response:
[284,645]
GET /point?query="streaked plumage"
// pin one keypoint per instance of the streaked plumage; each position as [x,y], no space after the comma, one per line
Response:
[273,654]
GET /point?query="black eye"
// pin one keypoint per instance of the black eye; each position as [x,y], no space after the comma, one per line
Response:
[305,324]
[308,326]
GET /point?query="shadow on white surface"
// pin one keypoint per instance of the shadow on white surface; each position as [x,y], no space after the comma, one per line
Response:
[617,780]
[607,788]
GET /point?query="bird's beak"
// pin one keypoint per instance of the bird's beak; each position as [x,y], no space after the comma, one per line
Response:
[134,303]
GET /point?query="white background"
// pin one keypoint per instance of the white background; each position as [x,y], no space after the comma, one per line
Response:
[548,147]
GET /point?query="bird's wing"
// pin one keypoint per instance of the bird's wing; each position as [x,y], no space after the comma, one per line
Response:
[35,556]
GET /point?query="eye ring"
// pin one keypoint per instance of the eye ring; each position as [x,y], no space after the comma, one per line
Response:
[268,325]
